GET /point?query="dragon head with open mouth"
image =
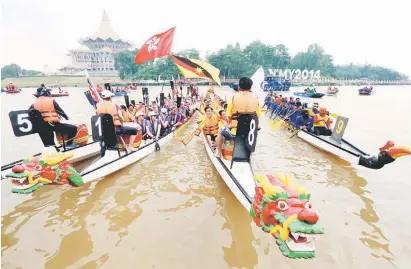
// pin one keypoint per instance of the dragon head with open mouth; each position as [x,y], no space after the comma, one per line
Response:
[285,211]
[35,172]
[388,154]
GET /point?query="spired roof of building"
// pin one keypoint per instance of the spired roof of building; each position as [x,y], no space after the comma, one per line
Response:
[106,37]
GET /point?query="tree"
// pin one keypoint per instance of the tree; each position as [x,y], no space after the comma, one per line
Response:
[10,71]
[314,59]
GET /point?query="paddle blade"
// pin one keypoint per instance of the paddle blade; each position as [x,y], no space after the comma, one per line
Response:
[277,125]
[334,115]
[271,122]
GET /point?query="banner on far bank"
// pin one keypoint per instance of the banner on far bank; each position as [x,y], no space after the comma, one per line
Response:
[295,74]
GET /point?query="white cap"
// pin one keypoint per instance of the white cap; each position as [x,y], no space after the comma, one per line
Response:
[152,113]
[163,110]
[139,113]
[106,94]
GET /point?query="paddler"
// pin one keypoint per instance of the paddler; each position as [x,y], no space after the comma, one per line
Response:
[175,118]
[127,116]
[42,88]
[152,126]
[52,113]
[164,122]
[322,123]
[210,125]
[106,106]
[243,101]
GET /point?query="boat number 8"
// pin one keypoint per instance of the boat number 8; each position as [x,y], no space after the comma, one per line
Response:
[98,125]
[340,126]
[251,135]
[23,120]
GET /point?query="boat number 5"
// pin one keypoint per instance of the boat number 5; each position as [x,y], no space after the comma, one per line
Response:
[24,122]
[98,125]
[251,134]
[340,126]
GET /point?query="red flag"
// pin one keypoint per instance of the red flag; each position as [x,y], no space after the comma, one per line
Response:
[156,46]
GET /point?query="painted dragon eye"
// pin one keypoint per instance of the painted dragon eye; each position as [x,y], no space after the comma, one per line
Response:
[38,167]
[282,205]
[308,205]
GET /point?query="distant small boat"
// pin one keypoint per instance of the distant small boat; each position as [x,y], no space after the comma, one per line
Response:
[309,94]
[54,94]
[118,94]
[332,91]
[365,91]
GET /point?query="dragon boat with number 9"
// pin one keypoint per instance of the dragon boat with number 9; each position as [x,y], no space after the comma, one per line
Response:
[279,207]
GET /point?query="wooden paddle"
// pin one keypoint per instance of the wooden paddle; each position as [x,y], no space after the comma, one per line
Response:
[189,137]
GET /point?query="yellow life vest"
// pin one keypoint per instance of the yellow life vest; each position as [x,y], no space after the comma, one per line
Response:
[321,123]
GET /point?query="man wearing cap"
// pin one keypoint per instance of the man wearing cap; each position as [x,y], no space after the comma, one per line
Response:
[106,106]
[164,121]
[152,126]
[322,123]
[243,101]
[52,113]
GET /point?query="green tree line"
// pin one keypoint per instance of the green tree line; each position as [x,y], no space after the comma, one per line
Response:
[14,70]
[235,62]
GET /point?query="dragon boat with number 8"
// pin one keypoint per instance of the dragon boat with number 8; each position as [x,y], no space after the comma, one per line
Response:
[279,207]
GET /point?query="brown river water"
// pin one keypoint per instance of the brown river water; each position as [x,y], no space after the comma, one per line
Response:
[173,210]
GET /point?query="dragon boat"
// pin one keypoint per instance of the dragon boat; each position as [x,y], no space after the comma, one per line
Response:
[276,205]
[27,177]
[114,155]
[28,122]
[341,148]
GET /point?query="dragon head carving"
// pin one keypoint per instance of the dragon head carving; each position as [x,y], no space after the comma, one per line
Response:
[285,211]
[35,172]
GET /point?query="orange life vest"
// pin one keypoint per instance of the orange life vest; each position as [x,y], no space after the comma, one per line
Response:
[243,102]
[211,125]
[46,107]
[107,107]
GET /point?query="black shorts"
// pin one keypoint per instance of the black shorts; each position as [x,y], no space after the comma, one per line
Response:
[126,130]
[213,137]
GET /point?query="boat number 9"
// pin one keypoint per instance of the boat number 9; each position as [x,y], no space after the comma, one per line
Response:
[340,126]
[98,125]
[251,135]
[23,120]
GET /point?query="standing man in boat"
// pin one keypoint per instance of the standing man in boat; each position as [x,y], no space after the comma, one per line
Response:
[106,106]
[322,123]
[243,101]
[52,113]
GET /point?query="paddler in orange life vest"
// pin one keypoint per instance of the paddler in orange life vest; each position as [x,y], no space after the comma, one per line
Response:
[243,101]
[210,125]
[52,113]
[106,106]
[322,123]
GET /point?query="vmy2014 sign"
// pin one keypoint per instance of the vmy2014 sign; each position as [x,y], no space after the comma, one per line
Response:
[295,74]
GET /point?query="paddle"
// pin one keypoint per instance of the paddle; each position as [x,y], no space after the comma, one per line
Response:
[189,137]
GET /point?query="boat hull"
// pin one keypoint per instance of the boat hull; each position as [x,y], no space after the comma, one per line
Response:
[112,162]
[344,151]
[309,95]
[239,179]
[55,94]
[81,153]
[364,92]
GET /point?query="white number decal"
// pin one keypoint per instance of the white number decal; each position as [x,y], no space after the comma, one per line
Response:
[304,74]
[251,136]
[311,74]
[317,74]
[23,119]
[297,74]
[98,125]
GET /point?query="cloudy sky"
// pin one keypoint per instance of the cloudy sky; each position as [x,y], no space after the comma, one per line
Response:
[39,32]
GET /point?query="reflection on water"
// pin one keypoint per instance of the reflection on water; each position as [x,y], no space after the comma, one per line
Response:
[173,210]
[347,177]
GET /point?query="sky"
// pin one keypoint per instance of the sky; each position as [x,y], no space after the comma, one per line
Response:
[35,33]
